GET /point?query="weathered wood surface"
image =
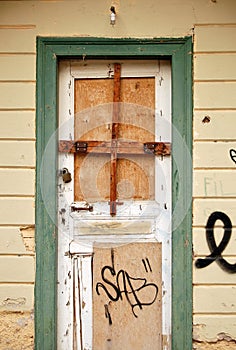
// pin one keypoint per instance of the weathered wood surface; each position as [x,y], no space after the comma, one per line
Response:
[93,122]
[127,296]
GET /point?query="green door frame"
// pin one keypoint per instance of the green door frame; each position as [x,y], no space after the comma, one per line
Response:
[49,51]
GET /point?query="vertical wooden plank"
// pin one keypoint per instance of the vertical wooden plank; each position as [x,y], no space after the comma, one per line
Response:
[127,297]
[115,125]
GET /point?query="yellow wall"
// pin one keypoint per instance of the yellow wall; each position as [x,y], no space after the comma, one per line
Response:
[212,23]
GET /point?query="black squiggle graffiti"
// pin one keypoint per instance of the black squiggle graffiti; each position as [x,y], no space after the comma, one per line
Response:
[232,153]
[216,251]
[128,289]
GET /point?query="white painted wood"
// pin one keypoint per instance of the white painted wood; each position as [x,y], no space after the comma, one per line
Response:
[214,66]
[65,197]
[16,269]
[213,276]
[16,297]
[17,211]
[163,188]
[213,327]
[17,153]
[15,40]
[217,299]
[17,67]
[214,125]
[203,208]
[76,233]
[214,94]
[11,241]
[215,38]
[213,155]
[17,95]
[200,247]
[214,183]
[17,182]
[17,124]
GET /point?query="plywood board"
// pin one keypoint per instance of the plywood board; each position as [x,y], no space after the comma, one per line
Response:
[127,297]
[93,121]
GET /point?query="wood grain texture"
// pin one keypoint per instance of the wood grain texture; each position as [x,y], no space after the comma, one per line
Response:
[132,172]
[111,329]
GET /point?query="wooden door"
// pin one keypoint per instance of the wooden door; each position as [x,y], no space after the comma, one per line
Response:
[114,214]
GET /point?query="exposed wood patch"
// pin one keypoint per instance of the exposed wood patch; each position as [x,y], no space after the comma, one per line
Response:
[28,236]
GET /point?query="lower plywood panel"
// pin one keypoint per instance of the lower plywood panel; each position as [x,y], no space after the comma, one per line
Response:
[127,297]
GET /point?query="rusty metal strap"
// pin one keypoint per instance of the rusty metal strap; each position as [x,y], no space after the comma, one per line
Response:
[122,147]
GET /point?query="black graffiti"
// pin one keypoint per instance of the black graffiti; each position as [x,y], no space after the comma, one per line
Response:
[217,250]
[232,153]
[125,286]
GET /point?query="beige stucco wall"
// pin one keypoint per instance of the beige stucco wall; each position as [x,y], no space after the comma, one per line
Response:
[212,23]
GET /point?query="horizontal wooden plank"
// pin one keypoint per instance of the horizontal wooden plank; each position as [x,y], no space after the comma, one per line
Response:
[16,211]
[17,67]
[214,274]
[215,66]
[11,241]
[214,183]
[203,208]
[214,125]
[215,38]
[200,247]
[17,95]
[214,95]
[17,124]
[122,147]
[214,299]
[15,40]
[16,297]
[16,269]
[17,182]
[210,327]
[213,155]
[17,153]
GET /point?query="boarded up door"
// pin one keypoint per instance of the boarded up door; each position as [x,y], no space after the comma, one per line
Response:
[111,212]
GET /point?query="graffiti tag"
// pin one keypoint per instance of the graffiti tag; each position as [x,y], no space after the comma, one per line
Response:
[217,250]
[121,285]
[232,153]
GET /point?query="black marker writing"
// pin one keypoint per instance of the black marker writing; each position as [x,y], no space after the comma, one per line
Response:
[232,153]
[124,286]
[217,250]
